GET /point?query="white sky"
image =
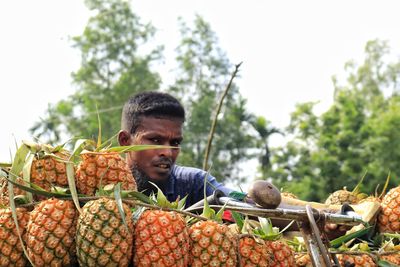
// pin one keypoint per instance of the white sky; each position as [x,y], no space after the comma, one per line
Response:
[289,49]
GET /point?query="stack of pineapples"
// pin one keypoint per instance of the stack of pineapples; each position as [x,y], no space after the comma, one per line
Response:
[81,208]
[57,210]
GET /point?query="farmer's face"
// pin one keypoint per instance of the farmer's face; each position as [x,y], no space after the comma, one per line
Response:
[156,164]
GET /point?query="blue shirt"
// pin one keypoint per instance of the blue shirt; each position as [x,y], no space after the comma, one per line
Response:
[188,181]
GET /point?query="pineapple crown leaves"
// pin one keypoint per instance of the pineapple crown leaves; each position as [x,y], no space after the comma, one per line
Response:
[384,263]
[15,218]
[385,186]
[161,200]
[208,212]
[267,231]
[338,242]
[118,200]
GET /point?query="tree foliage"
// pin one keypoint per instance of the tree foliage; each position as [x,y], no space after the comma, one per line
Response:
[116,63]
[359,133]
[202,75]
[113,67]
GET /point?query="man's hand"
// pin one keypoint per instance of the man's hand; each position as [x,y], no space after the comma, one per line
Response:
[333,230]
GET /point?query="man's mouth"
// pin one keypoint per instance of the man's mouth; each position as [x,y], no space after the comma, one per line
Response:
[163,166]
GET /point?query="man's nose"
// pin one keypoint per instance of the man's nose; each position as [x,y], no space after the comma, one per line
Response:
[167,151]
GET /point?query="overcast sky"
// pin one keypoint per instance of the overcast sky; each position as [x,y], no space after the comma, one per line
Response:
[289,49]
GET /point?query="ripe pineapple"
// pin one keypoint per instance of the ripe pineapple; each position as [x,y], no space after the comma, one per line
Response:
[289,195]
[340,197]
[102,238]
[389,250]
[11,252]
[49,169]
[101,168]
[359,260]
[161,239]
[389,216]
[283,255]
[253,252]
[50,233]
[4,197]
[212,244]
[393,258]
[303,260]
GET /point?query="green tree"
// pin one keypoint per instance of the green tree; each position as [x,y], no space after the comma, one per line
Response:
[359,133]
[113,67]
[202,75]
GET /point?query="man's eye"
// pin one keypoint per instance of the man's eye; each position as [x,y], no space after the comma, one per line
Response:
[155,140]
[175,143]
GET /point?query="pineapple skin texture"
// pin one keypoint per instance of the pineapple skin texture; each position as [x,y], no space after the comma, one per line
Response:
[340,197]
[252,253]
[50,233]
[11,252]
[48,171]
[161,239]
[282,254]
[303,260]
[102,239]
[212,245]
[389,217]
[362,260]
[100,169]
[393,258]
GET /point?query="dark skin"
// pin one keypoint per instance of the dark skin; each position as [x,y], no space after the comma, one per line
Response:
[155,163]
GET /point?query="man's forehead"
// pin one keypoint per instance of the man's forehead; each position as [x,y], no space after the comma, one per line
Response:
[160,125]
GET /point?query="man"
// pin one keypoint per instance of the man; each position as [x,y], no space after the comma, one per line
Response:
[154,118]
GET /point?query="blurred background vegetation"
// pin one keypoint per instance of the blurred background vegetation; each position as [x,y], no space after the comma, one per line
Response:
[359,133]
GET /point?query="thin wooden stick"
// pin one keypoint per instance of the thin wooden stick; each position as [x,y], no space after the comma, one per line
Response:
[214,123]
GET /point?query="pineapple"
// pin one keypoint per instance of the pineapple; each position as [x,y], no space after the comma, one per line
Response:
[162,237]
[340,197]
[303,260]
[389,216]
[389,250]
[212,244]
[393,258]
[361,256]
[283,255]
[102,168]
[50,233]
[4,196]
[253,252]
[102,237]
[359,260]
[49,169]
[288,195]
[11,252]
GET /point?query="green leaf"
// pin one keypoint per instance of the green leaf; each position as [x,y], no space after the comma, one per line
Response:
[343,239]
[237,195]
[141,197]
[19,161]
[71,184]
[15,217]
[383,263]
[239,220]
[122,149]
[26,172]
[181,203]
[118,199]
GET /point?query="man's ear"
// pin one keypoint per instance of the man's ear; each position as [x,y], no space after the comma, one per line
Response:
[124,138]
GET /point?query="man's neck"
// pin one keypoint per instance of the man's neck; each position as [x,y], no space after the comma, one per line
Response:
[144,186]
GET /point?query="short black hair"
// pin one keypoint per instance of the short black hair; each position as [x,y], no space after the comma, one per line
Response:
[150,104]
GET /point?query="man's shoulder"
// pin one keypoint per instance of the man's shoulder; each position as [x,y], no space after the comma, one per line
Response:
[187,173]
